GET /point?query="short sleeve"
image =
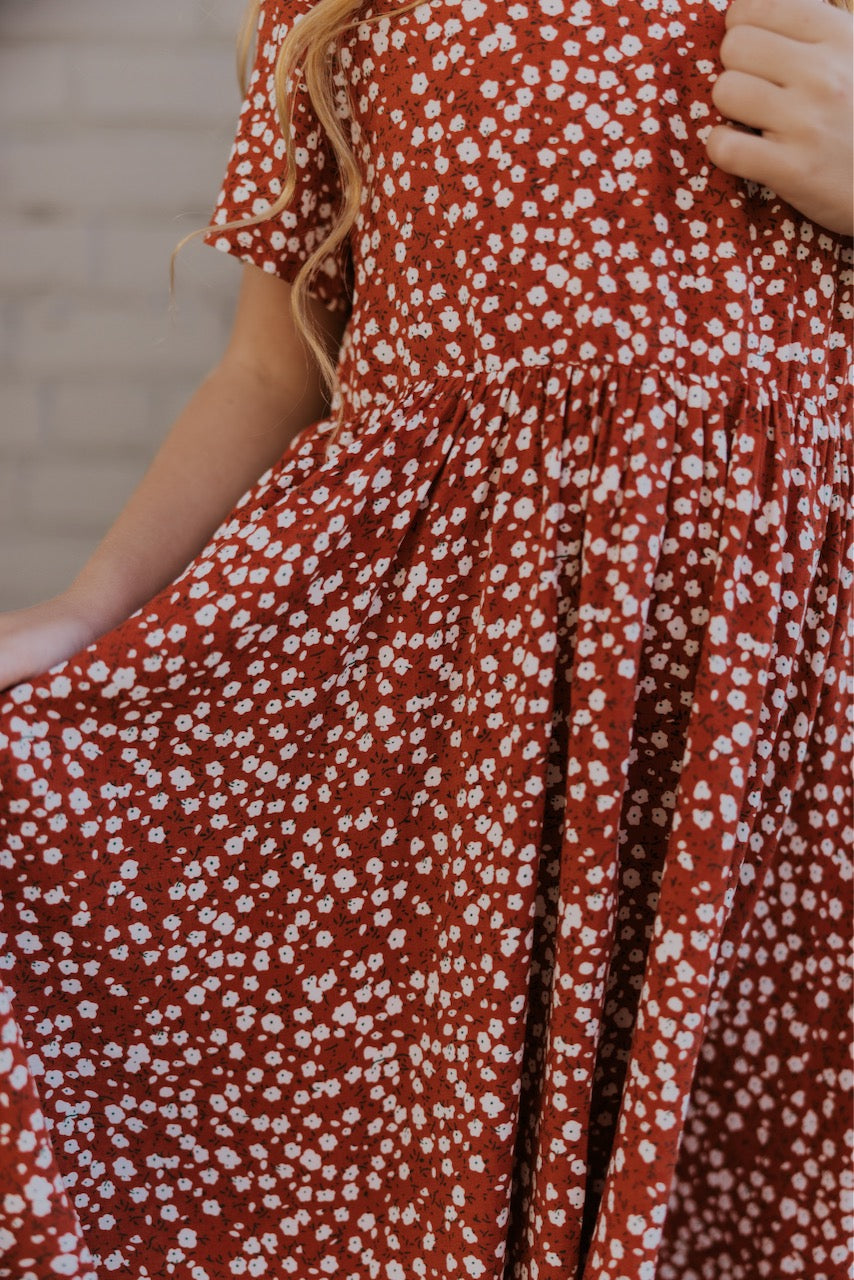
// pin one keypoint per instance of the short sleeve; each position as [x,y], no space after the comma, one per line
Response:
[255,171]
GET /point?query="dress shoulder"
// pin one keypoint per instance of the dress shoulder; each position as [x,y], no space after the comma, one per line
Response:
[256,168]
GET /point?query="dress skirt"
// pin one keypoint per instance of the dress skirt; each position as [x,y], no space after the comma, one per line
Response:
[448,875]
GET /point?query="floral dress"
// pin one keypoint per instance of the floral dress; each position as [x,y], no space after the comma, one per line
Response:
[447,877]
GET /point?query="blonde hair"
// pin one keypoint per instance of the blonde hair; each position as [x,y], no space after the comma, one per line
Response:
[311,43]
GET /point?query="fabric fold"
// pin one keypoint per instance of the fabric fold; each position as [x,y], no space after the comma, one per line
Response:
[763,514]
[437,812]
[40,1232]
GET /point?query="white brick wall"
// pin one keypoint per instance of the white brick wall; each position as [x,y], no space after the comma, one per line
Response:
[115,125]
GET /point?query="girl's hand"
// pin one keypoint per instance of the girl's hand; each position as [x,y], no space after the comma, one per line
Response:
[788,74]
[34,639]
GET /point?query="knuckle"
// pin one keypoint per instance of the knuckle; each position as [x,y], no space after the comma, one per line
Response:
[757,13]
[720,90]
[835,83]
[762,11]
[814,78]
[729,44]
[717,147]
[807,168]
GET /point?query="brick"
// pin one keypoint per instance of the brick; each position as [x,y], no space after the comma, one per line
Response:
[80,497]
[35,566]
[100,170]
[221,18]
[152,86]
[12,503]
[115,126]
[137,258]
[85,20]
[107,418]
[21,421]
[67,337]
[20,69]
[8,321]
[168,398]
[44,254]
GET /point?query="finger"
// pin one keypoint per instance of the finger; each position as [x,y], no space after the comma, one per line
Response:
[809,21]
[772,57]
[751,101]
[747,155]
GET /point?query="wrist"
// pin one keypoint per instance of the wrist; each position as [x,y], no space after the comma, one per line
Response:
[90,610]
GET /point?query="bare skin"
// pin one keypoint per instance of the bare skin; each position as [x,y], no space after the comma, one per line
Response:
[262,393]
[788,73]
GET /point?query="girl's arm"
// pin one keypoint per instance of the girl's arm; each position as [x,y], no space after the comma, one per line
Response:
[260,395]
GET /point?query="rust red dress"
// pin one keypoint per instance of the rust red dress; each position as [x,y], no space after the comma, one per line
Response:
[447,877]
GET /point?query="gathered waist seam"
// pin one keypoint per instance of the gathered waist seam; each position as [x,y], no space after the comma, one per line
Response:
[499,372]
